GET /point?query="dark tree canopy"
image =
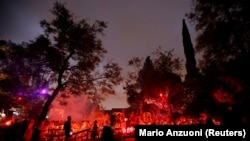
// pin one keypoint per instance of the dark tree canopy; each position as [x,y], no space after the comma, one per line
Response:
[65,60]
[69,53]
[226,36]
[223,38]
[153,80]
[146,76]
[15,76]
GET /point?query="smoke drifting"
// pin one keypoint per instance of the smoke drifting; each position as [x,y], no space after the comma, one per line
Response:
[80,108]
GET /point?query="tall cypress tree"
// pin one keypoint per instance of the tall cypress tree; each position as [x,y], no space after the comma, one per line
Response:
[191,68]
[193,82]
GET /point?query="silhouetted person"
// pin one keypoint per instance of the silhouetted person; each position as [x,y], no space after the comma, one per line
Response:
[107,134]
[67,128]
[112,120]
[107,131]
[209,122]
[94,131]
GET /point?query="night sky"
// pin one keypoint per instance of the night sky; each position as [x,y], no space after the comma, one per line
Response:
[135,27]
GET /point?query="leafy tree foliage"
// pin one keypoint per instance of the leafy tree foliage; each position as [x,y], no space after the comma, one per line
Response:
[153,81]
[14,88]
[146,76]
[67,55]
[224,42]
[225,37]
[65,60]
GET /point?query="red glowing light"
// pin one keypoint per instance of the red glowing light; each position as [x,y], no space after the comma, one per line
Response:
[8,123]
[160,94]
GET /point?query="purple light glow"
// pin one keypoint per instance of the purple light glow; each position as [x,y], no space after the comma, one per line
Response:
[44,91]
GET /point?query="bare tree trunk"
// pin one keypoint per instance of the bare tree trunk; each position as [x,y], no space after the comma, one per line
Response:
[37,129]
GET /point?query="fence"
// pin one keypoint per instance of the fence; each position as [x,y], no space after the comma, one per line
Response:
[83,135]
